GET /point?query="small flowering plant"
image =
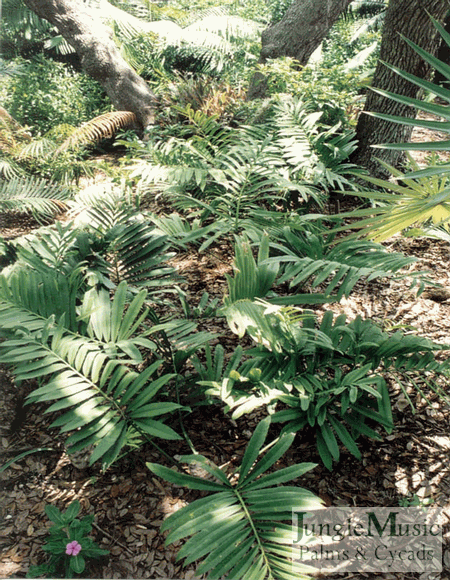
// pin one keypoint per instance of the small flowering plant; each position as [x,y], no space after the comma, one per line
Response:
[68,544]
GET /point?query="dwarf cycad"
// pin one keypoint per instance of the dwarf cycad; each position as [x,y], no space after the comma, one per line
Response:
[242,530]
[86,368]
[37,196]
[328,376]
[310,257]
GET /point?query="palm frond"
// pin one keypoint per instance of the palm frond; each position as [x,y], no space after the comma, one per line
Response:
[9,169]
[297,125]
[420,198]
[313,153]
[49,249]
[37,148]
[426,106]
[328,375]
[30,297]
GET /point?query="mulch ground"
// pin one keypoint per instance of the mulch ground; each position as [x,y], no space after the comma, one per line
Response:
[130,504]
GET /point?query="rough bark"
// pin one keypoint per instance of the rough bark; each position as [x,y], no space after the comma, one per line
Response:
[443,53]
[410,18]
[297,34]
[99,55]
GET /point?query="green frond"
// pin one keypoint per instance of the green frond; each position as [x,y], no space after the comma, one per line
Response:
[420,198]
[251,279]
[9,169]
[326,376]
[306,257]
[227,174]
[36,196]
[30,297]
[422,105]
[50,249]
[85,374]
[139,256]
[37,148]
[312,153]
[239,531]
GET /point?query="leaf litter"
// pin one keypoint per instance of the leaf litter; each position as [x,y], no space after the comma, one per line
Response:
[130,504]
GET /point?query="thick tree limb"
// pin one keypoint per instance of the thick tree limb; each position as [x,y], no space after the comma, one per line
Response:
[298,34]
[99,55]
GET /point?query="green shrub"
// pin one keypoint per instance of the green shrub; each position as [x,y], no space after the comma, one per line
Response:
[50,93]
[328,377]
[331,90]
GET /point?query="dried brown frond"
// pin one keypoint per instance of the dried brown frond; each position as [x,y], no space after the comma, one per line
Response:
[101,127]
[11,132]
[221,100]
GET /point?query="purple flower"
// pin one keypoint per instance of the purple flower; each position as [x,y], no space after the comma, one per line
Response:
[73,548]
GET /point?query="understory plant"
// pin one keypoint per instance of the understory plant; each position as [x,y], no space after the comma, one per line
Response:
[36,196]
[243,527]
[62,327]
[326,376]
[225,173]
[419,197]
[88,314]
[68,545]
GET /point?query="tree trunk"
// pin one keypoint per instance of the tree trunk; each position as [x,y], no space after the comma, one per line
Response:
[298,34]
[99,55]
[410,18]
[443,53]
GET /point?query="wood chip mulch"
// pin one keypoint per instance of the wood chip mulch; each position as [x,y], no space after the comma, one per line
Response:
[130,504]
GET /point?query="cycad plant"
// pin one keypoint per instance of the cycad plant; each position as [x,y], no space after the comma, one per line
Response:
[37,196]
[311,257]
[230,174]
[304,256]
[327,376]
[218,172]
[85,363]
[242,529]
[314,154]
[98,350]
